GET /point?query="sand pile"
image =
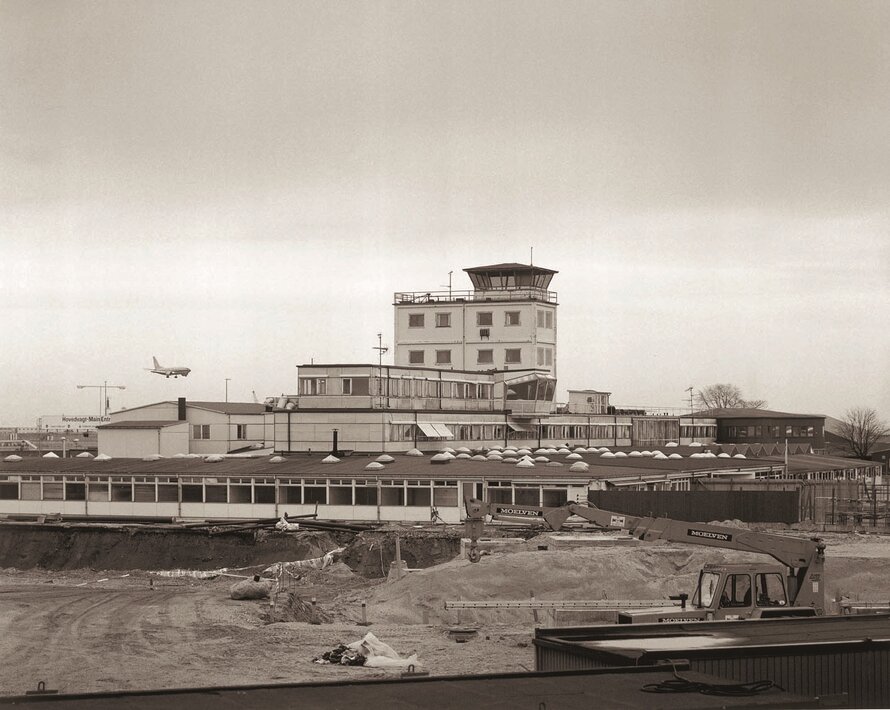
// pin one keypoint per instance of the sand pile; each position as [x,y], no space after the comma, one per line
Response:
[651,572]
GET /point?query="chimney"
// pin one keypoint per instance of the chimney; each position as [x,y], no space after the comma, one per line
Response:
[334,450]
[181,409]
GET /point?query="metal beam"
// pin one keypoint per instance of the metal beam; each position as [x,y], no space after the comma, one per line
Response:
[575,604]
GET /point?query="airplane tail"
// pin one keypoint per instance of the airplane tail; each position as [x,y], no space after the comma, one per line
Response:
[155,361]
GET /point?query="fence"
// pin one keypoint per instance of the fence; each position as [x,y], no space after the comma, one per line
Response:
[704,506]
[832,505]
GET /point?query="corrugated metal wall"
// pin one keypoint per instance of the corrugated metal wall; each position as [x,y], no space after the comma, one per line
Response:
[703,506]
[864,676]
[854,674]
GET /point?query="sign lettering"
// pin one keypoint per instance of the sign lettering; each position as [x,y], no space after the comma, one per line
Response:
[519,512]
[708,535]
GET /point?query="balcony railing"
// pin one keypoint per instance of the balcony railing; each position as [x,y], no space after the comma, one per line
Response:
[528,293]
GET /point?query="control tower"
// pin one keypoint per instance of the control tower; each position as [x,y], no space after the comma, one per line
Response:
[506,322]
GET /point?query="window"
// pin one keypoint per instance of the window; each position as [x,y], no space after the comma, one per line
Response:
[512,356]
[736,591]
[144,492]
[770,590]
[443,357]
[485,357]
[315,492]
[443,320]
[484,318]
[548,357]
[347,386]
[201,431]
[540,319]
[312,385]
[264,494]
[511,318]
[216,493]
[168,493]
[121,492]
[415,357]
[540,354]
[704,593]
[419,494]
[241,431]
[239,493]
[365,493]
[75,491]
[415,320]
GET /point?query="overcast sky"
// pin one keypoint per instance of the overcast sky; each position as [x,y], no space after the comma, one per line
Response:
[240,187]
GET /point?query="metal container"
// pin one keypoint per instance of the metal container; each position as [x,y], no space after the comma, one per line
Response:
[844,659]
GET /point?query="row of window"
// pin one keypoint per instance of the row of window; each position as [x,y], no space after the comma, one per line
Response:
[202,431]
[512,356]
[396,492]
[483,319]
[386,492]
[400,387]
[495,432]
[770,432]
[707,431]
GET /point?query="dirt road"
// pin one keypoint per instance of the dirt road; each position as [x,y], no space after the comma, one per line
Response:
[80,639]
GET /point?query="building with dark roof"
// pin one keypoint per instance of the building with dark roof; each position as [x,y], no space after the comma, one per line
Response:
[746,425]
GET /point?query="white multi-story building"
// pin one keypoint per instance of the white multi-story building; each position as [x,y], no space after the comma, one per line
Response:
[472,368]
[507,322]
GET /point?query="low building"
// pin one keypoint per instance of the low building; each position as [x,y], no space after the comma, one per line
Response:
[588,402]
[181,427]
[762,426]
[389,488]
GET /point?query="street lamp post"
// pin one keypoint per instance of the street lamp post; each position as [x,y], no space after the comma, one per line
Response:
[103,393]
[228,379]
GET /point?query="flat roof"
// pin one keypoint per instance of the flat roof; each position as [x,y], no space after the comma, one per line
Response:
[306,465]
[751,413]
[142,424]
[634,640]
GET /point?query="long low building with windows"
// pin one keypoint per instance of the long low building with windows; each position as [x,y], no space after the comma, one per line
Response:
[385,488]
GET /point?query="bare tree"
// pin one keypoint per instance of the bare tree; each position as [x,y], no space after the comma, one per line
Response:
[861,429]
[725,396]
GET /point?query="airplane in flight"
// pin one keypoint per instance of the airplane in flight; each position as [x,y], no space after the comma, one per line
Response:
[168,371]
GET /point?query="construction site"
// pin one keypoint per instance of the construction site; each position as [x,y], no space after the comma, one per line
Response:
[119,607]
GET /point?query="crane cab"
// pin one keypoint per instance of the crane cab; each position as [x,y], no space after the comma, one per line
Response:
[729,592]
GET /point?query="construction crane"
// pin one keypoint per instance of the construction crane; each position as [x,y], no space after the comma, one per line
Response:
[724,591]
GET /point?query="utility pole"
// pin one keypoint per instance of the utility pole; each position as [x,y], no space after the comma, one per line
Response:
[690,389]
[103,394]
[228,379]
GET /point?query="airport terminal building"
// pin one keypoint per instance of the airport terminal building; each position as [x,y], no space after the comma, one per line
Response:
[474,368]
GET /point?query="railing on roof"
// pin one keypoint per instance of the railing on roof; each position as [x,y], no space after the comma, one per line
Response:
[519,294]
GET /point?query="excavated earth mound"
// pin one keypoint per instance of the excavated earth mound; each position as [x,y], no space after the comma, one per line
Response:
[28,547]
[371,552]
[651,572]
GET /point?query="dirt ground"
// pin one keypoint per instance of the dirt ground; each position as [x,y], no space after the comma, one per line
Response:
[84,630]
